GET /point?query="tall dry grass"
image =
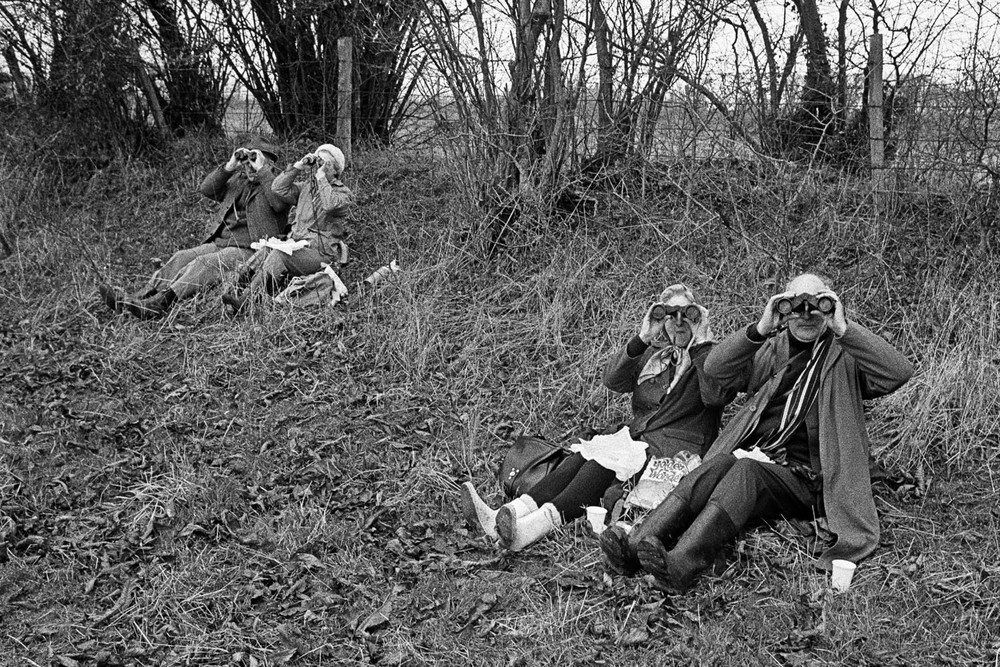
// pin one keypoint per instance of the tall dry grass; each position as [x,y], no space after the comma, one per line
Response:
[205,490]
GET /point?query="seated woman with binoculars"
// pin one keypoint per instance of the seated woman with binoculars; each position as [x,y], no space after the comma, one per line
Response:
[322,203]
[675,408]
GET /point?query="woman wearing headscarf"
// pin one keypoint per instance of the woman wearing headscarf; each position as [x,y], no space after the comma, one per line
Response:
[675,409]
[322,202]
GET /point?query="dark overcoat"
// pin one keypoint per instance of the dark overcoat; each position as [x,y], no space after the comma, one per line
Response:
[860,365]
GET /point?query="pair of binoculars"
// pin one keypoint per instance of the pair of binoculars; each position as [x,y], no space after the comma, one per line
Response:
[804,303]
[311,160]
[691,312]
[243,155]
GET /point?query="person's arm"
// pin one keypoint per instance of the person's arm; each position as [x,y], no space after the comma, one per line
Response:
[730,363]
[216,184]
[622,370]
[882,368]
[333,198]
[713,393]
[267,180]
[284,186]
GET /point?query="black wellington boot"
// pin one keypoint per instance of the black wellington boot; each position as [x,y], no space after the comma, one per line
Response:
[664,523]
[676,570]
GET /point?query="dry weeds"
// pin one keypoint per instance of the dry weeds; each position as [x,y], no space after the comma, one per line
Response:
[283,488]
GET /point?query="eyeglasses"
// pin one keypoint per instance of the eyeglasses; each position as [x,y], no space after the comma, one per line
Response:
[805,303]
[691,312]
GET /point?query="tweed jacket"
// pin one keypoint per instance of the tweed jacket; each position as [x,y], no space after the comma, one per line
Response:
[686,419]
[859,365]
[267,214]
[321,208]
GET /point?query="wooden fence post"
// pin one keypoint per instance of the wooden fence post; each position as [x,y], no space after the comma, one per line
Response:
[345,94]
[876,126]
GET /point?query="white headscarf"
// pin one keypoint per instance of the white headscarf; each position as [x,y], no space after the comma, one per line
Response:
[670,355]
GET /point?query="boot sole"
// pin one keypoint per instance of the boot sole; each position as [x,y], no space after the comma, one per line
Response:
[471,513]
[506,525]
[654,558]
[614,544]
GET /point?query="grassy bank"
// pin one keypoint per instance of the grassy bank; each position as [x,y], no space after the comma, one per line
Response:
[283,488]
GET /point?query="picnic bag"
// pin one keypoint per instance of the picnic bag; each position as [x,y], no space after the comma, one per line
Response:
[528,460]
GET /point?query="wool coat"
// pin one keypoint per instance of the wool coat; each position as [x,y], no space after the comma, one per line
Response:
[860,365]
[321,209]
[686,419]
[267,213]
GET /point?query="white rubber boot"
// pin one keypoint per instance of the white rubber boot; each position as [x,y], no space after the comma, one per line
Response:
[530,528]
[508,515]
[478,513]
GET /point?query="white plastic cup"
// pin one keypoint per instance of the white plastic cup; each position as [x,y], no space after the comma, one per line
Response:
[596,516]
[843,572]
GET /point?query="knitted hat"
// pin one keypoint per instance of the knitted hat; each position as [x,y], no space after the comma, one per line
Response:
[337,161]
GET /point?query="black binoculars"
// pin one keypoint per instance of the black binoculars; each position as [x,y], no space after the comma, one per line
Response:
[311,160]
[243,155]
[691,312]
[804,303]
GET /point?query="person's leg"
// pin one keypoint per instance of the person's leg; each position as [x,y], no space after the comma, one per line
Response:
[207,271]
[585,489]
[669,519]
[749,490]
[167,273]
[306,261]
[556,481]
[513,526]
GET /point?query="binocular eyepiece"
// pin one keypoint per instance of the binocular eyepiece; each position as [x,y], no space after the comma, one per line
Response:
[311,160]
[804,303]
[243,155]
[691,312]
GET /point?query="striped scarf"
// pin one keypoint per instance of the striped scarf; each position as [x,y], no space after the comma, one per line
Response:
[800,400]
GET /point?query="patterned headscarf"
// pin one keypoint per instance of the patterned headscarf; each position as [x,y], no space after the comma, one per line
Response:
[669,354]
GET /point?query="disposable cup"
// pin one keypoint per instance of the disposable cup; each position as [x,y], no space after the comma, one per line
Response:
[843,572]
[596,517]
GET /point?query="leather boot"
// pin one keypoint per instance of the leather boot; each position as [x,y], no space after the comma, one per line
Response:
[676,570]
[235,301]
[477,513]
[113,297]
[665,522]
[154,307]
[532,527]
[507,516]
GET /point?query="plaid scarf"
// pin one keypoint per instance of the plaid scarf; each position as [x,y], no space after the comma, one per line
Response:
[800,400]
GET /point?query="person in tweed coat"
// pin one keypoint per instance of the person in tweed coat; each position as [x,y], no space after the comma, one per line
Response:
[249,210]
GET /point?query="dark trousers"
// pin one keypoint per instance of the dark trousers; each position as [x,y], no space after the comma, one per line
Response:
[573,486]
[748,490]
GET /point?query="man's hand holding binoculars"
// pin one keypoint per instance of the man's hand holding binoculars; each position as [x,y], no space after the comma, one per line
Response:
[246,157]
[787,306]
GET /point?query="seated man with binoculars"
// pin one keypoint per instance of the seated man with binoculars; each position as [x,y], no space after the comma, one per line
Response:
[249,210]
[322,202]
[798,448]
